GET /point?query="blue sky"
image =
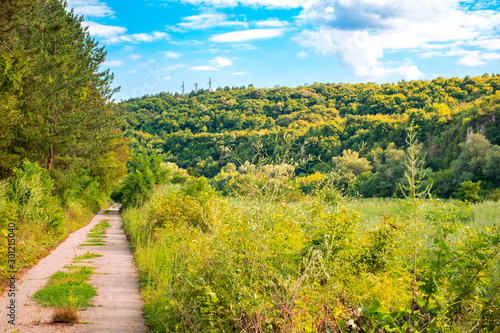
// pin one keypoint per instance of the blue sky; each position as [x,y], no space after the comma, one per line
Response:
[155,45]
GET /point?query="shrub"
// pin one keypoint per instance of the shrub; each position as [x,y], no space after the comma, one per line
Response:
[493,195]
[469,191]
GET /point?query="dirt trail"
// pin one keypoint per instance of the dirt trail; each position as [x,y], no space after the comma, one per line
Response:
[118,305]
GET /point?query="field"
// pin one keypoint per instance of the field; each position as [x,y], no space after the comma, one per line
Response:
[483,214]
[251,264]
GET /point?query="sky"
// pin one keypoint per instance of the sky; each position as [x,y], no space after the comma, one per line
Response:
[156,45]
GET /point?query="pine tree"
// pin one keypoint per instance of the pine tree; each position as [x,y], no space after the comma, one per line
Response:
[66,117]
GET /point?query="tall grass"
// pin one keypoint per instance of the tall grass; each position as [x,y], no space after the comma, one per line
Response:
[211,264]
[40,221]
[483,214]
[256,266]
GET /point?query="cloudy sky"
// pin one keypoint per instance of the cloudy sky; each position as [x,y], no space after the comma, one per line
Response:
[155,45]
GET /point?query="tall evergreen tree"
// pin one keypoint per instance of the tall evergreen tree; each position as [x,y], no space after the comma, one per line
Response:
[66,119]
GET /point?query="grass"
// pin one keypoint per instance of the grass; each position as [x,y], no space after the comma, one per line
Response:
[483,214]
[97,234]
[65,315]
[95,240]
[292,266]
[486,214]
[93,244]
[103,225]
[86,256]
[68,289]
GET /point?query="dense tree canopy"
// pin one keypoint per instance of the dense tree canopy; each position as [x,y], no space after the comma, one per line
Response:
[56,105]
[315,125]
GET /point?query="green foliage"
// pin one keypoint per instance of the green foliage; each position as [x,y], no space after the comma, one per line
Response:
[493,195]
[211,264]
[31,190]
[56,102]
[68,289]
[468,191]
[350,166]
[144,172]
[61,148]
[86,256]
[206,131]
[266,181]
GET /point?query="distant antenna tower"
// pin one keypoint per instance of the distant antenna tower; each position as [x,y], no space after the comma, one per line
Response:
[196,87]
[183,87]
[210,84]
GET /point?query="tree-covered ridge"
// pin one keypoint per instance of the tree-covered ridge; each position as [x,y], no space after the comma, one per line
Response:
[252,109]
[312,125]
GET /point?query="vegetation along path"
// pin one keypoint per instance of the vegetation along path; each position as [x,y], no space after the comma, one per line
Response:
[117,305]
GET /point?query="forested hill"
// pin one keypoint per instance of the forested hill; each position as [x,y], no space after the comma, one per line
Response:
[204,131]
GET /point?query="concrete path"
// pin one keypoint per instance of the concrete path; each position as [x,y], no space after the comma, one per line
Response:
[118,305]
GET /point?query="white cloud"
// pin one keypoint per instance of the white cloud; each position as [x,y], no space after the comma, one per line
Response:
[476,58]
[133,71]
[490,44]
[239,73]
[208,20]
[204,68]
[271,23]
[285,4]
[356,50]
[246,35]
[105,31]
[359,32]
[187,42]
[173,67]
[490,56]
[302,54]
[166,78]
[135,57]
[171,54]
[472,59]
[90,8]
[221,62]
[145,37]
[112,63]
[115,34]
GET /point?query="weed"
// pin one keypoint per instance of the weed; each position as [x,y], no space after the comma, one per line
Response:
[99,234]
[65,315]
[103,225]
[85,256]
[93,244]
[94,240]
[68,289]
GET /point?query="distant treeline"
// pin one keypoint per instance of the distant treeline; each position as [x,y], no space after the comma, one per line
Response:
[311,127]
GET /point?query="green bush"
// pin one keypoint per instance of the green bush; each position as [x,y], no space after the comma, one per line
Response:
[31,190]
[469,191]
[38,217]
[493,195]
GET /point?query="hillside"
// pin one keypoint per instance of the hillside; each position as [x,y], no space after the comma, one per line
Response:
[310,126]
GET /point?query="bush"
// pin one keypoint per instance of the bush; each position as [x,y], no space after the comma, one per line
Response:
[27,205]
[493,195]
[272,182]
[469,191]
